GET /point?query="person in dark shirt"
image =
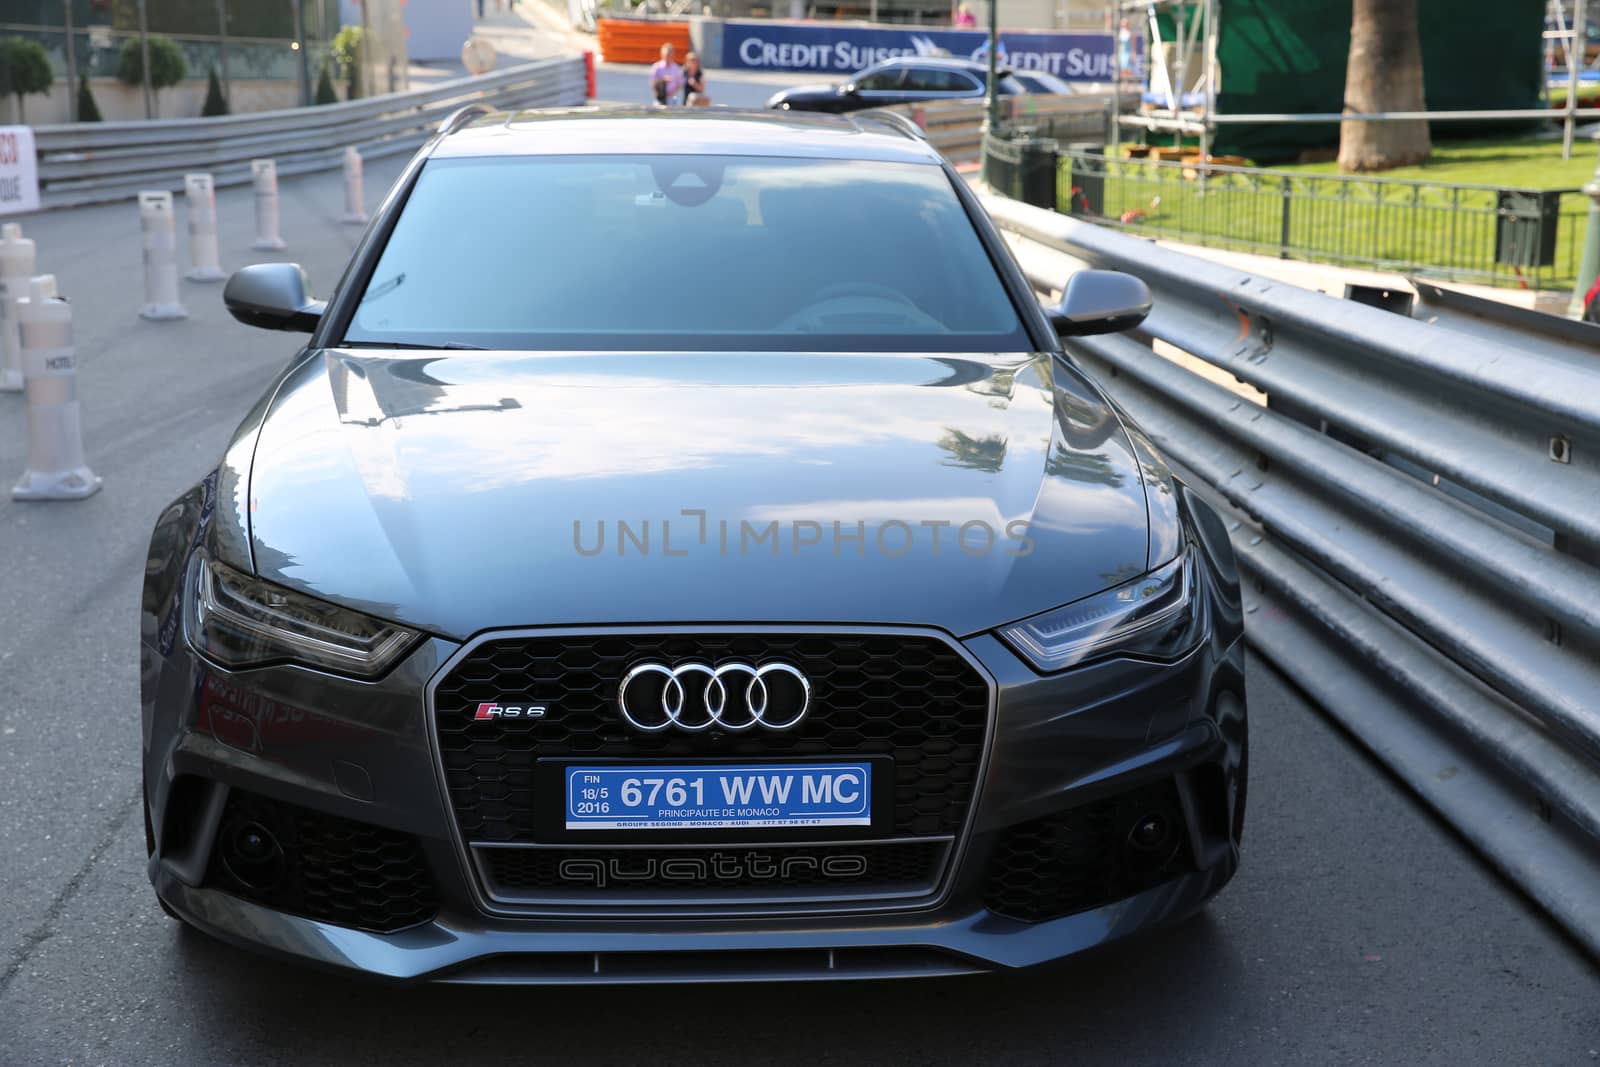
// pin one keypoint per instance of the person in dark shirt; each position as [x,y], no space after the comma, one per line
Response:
[694,82]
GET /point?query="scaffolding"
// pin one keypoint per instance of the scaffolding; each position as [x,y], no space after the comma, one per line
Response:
[1182,74]
[1566,38]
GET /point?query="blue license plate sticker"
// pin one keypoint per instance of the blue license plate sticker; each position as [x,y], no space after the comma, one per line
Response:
[719,797]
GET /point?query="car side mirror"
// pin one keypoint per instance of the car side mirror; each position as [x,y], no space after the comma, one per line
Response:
[273,296]
[1100,301]
[849,89]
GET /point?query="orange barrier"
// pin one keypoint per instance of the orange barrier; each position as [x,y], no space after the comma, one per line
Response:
[640,40]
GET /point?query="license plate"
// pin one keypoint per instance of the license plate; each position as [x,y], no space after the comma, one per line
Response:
[719,797]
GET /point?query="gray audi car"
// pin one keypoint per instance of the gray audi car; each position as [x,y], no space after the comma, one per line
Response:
[683,549]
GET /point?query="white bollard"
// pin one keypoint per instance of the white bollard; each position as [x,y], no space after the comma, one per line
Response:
[160,257]
[206,262]
[266,175]
[16,267]
[56,470]
[355,210]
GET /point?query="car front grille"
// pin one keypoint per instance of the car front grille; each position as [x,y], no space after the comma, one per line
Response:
[913,698]
[712,872]
[1084,857]
[323,867]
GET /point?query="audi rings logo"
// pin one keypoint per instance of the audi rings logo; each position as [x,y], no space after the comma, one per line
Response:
[697,696]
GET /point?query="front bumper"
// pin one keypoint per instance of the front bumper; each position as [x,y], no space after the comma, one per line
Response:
[1057,743]
[465,949]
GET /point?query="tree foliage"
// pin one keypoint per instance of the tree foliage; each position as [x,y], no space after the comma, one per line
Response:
[346,50]
[167,65]
[216,103]
[24,69]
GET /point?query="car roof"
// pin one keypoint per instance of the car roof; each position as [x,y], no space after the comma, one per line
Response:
[971,66]
[936,61]
[697,131]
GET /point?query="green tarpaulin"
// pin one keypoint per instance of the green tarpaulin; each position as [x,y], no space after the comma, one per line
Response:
[1289,56]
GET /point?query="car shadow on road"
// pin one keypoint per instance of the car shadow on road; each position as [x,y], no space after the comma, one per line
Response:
[1167,974]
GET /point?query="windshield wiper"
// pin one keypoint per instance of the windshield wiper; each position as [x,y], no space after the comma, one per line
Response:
[449,346]
[382,289]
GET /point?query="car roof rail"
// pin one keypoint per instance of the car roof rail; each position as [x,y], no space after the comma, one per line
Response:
[462,115]
[894,120]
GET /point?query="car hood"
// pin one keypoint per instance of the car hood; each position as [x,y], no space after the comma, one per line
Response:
[470,491]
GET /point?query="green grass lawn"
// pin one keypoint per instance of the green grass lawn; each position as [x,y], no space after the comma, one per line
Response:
[1520,164]
[1415,220]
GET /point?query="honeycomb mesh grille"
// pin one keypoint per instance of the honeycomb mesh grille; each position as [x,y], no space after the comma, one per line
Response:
[1080,858]
[900,865]
[330,869]
[913,698]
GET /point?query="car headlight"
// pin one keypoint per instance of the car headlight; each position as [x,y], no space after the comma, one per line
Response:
[1149,616]
[238,621]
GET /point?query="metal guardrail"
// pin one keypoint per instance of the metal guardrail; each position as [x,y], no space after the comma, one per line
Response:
[93,162]
[955,127]
[1477,233]
[1416,513]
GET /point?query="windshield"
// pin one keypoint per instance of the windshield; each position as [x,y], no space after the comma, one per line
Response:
[686,252]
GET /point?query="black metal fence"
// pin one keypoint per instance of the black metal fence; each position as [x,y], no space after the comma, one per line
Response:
[1475,233]
[1021,166]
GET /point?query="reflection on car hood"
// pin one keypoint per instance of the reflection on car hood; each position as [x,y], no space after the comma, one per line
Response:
[471,491]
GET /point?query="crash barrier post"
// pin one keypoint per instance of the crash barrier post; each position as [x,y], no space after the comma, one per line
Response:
[160,258]
[56,467]
[355,211]
[199,192]
[17,255]
[1412,506]
[266,179]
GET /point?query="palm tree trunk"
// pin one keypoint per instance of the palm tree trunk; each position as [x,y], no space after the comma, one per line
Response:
[1384,74]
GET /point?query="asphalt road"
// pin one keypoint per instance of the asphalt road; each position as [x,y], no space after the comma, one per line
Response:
[1357,931]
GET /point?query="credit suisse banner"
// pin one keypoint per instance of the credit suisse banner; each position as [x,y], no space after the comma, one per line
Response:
[19,171]
[835,49]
